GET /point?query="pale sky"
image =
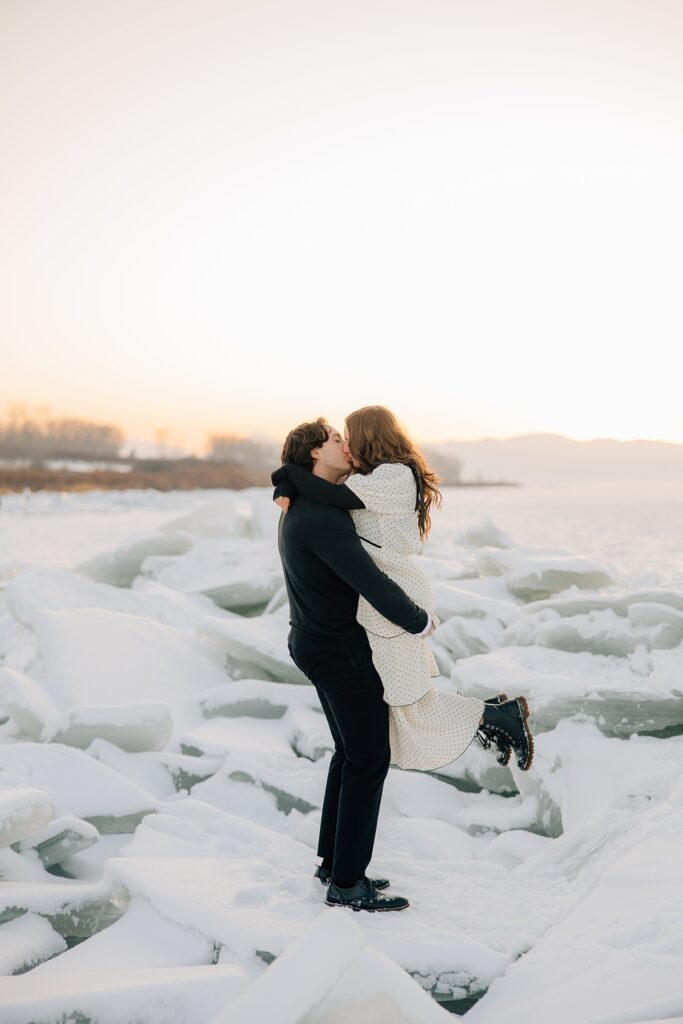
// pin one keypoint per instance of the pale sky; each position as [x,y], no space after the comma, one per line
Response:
[233,216]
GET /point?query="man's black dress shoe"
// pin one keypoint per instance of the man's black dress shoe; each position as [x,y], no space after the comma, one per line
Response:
[324,875]
[363,896]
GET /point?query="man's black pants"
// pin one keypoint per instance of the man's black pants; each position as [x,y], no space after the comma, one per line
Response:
[352,697]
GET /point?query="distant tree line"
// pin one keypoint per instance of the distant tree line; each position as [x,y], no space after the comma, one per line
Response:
[231,460]
[447,465]
[36,437]
[253,453]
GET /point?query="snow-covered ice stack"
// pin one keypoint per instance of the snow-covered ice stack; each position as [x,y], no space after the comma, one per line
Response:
[162,764]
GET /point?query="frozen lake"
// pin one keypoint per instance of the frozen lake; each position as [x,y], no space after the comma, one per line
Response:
[162,764]
[637,529]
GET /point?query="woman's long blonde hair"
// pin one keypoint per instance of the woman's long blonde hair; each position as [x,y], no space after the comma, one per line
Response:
[375,436]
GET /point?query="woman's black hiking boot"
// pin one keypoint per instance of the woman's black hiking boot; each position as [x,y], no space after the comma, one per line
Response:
[506,724]
[363,896]
[504,748]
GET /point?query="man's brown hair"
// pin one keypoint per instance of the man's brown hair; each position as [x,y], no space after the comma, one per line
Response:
[301,441]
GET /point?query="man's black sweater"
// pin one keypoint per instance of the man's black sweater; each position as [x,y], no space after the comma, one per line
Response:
[326,567]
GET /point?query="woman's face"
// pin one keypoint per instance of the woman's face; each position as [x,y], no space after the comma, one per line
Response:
[347,451]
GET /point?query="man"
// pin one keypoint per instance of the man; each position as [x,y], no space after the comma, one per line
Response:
[326,568]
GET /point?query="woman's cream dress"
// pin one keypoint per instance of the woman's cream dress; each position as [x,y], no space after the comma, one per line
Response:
[428,727]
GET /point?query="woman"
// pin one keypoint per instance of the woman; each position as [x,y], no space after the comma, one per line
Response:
[389,495]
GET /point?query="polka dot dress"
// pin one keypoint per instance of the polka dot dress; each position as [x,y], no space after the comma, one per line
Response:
[428,727]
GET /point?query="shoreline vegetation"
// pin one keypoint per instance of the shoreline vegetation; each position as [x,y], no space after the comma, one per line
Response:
[158,474]
[39,452]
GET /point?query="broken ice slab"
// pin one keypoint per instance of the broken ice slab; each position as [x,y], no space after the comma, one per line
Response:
[218,736]
[23,812]
[120,566]
[74,909]
[141,938]
[532,574]
[622,933]
[459,637]
[580,774]
[122,996]
[292,783]
[252,905]
[622,699]
[450,599]
[279,602]
[332,942]
[309,734]
[240,575]
[221,516]
[76,784]
[244,591]
[255,648]
[25,941]
[306,728]
[60,839]
[600,631]
[475,770]
[91,653]
[161,773]
[26,702]
[580,604]
[132,727]
[257,698]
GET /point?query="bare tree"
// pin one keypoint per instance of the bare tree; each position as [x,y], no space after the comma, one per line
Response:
[39,436]
[447,465]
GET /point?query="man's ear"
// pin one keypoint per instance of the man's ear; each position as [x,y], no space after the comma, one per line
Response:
[315,453]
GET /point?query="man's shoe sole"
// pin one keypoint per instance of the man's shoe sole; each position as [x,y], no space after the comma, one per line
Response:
[368,910]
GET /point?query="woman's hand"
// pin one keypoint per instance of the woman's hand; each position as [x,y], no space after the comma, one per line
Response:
[282,502]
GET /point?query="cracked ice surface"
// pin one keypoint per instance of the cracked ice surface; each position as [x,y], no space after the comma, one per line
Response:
[162,766]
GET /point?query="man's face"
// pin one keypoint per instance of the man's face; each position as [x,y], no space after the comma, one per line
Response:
[347,450]
[331,454]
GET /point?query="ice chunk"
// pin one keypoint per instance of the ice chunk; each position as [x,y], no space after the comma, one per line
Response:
[218,517]
[485,534]
[257,698]
[61,838]
[141,938]
[133,727]
[374,988]
[189,994]
[450,599]
[23,812]
[242,576]
[74,909]
[302,976]
[279,602]
[580,604]
[559,684]
[26,941]
[120,566]
[293,785]
[532,574]
[578,773]
[92,653]
[26,702]
[461,637]
[309,733]
[600,631]
[623,935]
[161,773]
[76,784]
[256,647]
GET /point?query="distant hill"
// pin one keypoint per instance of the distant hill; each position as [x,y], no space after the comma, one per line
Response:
[554,459]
